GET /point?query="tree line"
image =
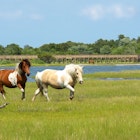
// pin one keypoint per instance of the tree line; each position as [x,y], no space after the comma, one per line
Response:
[122,45]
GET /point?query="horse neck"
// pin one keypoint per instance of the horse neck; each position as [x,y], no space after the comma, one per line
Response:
[73,76]
[19,71]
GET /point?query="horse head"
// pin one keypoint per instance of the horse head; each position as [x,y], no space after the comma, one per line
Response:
[75,71]
[24,66]
[78,72]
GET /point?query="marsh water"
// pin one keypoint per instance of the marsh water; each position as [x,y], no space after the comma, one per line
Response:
[87,69]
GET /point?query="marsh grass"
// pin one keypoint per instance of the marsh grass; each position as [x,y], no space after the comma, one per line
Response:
[122,74]
[101,110]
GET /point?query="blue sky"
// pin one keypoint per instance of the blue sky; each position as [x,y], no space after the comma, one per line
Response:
[38,22]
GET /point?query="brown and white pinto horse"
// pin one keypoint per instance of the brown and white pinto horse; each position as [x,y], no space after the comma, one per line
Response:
[15,78]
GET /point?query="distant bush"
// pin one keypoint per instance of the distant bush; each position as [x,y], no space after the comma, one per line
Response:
[37,61]
[47,58]
[7,62]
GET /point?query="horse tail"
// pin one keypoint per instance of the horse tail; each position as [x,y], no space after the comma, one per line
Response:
[37,79]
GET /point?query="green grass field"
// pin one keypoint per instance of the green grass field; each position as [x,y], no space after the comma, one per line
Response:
[101,110]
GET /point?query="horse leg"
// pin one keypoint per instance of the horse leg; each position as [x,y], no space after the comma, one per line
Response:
[2,92]
[45,92]
[71,88]
[71,94]
[36,93]
[22,88]
[3,95]
[23,94]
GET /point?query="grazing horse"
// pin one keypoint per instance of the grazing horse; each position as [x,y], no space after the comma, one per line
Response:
[15,78]
[59,79]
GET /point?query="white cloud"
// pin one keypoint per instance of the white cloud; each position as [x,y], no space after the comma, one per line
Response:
[11,14]
[36,16]
[19,14]
[97,12]
[123,11]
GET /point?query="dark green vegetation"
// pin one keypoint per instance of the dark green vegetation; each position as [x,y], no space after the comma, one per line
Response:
[35,62]
[101,110]
[123,45]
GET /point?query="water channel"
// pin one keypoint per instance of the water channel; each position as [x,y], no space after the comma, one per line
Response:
[87,69]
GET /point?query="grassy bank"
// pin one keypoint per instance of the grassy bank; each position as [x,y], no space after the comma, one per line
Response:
[34,62]
[132,74]
[101,110]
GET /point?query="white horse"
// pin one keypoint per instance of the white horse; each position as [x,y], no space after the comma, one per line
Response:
[59,79]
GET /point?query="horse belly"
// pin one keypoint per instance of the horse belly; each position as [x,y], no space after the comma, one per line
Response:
[55,84]
[8,84]
[57,87]
[4,78]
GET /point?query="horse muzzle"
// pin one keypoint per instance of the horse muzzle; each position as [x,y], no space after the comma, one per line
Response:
[80,82]
[28,74]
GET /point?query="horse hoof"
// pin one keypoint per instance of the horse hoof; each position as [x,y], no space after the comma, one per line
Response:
[71,98]
[23,99]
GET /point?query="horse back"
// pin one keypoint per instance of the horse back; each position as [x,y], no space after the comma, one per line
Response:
[55,78]
[48,75]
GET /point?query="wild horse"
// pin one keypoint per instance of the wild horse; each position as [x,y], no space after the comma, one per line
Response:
[59,79]
[15,78]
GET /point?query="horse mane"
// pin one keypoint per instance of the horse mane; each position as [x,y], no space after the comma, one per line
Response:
[26,61]
[71,68]
[18,67]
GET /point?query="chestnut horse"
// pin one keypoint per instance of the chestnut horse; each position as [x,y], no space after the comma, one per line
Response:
[15,78]
[58,79]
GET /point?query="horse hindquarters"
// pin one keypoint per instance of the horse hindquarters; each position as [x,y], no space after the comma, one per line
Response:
[41,87]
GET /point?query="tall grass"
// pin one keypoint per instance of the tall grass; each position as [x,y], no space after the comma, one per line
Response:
[101,110]
[122,74]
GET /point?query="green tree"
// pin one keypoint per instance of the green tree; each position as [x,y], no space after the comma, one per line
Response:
[13,49]
[125,41]
[29,50]
[1,50]
[99,44]
[121,36]
[47,58]
[105,49]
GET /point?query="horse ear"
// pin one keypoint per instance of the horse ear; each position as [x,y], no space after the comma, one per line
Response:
[27,62]
[20,65]
[81,66]
[75,69]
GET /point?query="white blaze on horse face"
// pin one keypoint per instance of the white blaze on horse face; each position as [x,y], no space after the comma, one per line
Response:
[79,75]
[80,78]
[13,78]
